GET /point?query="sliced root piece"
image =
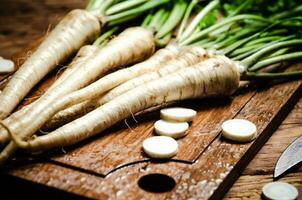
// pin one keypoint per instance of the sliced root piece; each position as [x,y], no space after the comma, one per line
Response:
[160,147]
[280,190]
[178,114]
[171,129]
[6,66]
[239,130]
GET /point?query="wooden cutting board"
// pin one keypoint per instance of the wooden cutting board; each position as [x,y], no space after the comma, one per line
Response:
[112,165]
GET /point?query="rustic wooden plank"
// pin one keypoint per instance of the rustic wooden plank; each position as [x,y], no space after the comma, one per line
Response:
[296,116]
[265,161]
[116,147]
[121,184]
[23,21]
[61,178]
[249,187]
[124,182]
[117,186]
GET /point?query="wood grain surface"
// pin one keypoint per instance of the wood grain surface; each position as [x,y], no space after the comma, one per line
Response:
[198,171]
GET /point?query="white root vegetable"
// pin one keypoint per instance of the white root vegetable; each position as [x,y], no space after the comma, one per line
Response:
[112,80]
[160,147]
[84,53]
[7,152]
[239,130]
[171,129]
[95,89]
[187,57]
[6,66]
[75,30]
[82,56]
[214,77]
[178,114]
[123,50]
[70,114]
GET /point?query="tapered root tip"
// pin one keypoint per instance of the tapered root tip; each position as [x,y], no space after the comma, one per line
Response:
[19,142]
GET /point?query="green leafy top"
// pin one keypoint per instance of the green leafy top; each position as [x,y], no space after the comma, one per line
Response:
[208,20]
[261,7]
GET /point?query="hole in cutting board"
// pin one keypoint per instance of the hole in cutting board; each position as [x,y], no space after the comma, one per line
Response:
[156,183]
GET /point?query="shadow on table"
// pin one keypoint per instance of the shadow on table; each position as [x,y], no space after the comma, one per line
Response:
[15,188]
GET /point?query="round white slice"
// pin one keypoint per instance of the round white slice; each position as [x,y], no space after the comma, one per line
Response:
[239,130]
[161,147]
[6,66]
[280,191]
[178,114]
[171,129]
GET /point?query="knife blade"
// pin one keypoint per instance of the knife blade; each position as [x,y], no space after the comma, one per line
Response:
[291,157]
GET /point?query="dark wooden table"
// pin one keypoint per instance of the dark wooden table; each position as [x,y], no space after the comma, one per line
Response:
[22,22]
